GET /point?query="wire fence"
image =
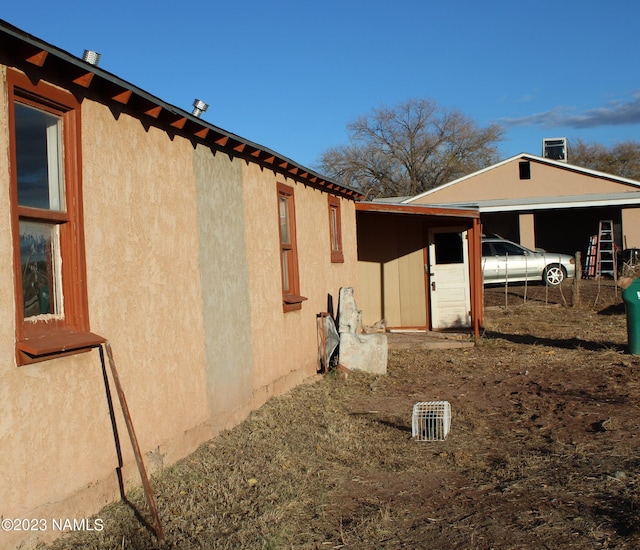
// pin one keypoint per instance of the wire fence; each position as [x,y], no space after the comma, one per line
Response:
[534,285]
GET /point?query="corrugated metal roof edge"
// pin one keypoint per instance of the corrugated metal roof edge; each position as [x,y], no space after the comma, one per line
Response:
[577,201]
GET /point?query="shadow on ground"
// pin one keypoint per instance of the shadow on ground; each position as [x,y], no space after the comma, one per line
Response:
[563,343]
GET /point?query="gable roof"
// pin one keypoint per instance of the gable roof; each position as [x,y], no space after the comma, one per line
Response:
[532,158]
[42,60]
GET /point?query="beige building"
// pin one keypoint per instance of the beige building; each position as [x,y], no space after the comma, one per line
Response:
[202,258]
[545,203]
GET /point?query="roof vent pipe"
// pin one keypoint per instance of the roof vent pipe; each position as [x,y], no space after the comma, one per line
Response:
[91,57]
[199,107]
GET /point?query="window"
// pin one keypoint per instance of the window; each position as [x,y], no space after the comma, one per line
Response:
[288,250]
[335,230]
[508,249]
[449,248]
[496,248]
[48,239]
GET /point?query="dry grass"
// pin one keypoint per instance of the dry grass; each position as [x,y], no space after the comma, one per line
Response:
[543,451]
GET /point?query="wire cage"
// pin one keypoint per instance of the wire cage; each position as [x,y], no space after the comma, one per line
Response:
[431,421]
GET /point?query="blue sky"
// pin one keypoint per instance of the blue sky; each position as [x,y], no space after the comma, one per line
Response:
[290,75]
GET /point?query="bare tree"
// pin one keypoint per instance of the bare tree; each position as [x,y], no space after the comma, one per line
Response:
[408,149]
[621,159]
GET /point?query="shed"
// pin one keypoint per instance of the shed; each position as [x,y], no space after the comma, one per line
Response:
[419,266]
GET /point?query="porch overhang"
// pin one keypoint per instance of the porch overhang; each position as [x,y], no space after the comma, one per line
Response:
[441,215]
[470,212]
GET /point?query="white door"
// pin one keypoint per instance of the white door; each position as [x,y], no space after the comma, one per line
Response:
[448,278]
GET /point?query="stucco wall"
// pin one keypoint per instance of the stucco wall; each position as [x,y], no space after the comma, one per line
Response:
[142,249]
[503,182]
[51,447]
[55,434]
[286,343]
[183,277]
[225,286]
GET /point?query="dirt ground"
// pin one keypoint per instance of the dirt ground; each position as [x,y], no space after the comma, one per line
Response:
[543,450]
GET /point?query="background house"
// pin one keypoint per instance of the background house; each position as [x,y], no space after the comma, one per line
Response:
[203,259]
[545,203]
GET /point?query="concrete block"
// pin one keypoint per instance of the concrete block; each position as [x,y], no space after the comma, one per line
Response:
[364,352]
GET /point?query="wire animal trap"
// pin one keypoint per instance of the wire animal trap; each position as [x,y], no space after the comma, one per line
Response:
[431,421]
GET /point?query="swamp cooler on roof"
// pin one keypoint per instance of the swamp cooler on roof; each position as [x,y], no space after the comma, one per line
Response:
[555,149]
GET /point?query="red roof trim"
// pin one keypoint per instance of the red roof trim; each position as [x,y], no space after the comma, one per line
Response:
[63,69]
[390,208]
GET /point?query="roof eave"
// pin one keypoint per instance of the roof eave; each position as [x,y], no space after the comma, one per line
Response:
[32,55]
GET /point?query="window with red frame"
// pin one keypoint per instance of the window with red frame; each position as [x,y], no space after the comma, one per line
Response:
[288,249]
[46,204]
[335,230]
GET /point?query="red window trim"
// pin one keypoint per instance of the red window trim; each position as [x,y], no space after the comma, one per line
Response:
[41,340]
[291,298]
[337,255]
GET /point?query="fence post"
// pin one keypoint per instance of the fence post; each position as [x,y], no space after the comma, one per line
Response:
[575,288]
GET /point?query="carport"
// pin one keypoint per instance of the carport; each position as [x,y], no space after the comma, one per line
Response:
[563,225]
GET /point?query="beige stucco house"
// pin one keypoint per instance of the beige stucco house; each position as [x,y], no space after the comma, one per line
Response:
[201,257]
[545,203]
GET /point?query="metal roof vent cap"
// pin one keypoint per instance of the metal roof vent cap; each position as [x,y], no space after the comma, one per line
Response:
[91,57]
[199,107]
